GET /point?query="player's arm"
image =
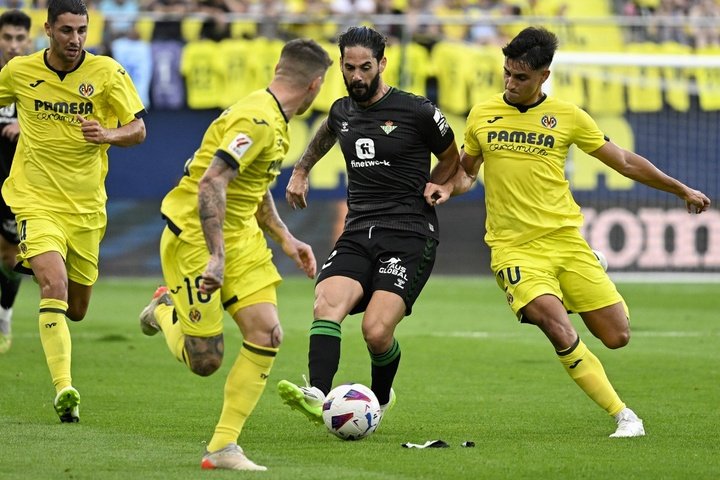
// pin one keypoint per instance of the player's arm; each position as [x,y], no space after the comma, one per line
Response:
[461,182]
[298,185]
[641,170]
[132,133]
[448,163]
[270,222]
[212,202]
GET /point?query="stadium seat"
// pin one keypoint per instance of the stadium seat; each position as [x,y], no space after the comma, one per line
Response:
[677,79]
[644,83]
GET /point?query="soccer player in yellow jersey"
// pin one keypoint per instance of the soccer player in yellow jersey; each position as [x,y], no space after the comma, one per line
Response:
[539,257]
[72,106]
[214,254]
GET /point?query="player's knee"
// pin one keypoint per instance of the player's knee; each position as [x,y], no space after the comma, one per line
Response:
[327,306]
[377,338]
[276,336]
[205,365]
[54,288]
[77,309]
[617,339]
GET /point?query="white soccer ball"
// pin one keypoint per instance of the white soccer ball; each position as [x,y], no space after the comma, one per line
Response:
[351,411]
[601,258]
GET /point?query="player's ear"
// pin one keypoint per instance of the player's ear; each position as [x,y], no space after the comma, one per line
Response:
[47,29]
[545,75]
[316,83]
[382,64]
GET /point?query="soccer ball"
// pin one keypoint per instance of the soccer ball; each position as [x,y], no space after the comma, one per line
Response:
[351,411]
[601,258]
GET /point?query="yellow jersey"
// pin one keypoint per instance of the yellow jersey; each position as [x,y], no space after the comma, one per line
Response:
[55,168]
[252,136]
[526,192]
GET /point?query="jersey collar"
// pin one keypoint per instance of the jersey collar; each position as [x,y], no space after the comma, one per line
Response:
[278,104]
[62,73]
[525,108]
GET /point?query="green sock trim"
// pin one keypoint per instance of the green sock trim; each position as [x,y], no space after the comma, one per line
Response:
[386,358]
[326,327]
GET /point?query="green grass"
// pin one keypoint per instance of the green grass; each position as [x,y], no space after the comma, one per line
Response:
[468,372]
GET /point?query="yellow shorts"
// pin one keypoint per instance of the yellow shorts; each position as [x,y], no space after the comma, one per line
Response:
[250,278]
[560,264]
[75,236]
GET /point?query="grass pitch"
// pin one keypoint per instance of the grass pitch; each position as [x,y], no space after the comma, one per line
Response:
[469,372]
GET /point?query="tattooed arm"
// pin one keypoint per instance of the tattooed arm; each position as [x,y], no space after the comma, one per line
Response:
[298,185]
[270,222]
[212,200]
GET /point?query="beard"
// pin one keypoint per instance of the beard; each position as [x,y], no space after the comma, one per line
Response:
[360,92]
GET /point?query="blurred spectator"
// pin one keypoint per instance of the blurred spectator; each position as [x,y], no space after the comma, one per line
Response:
[315,21]
[672,31]
[705,30]
[119,16]
[482,30]
[352,7]
[393,31]
[424,33]
[136,56]
[170,13]
[452,16]
[544,8]
[351,12]
[268,11]
[217,25]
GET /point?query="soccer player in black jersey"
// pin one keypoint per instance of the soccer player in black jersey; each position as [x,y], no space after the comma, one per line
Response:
[386,251]
[14,40]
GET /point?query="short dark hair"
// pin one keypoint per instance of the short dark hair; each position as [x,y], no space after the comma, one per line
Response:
[534,47]
[15,18]
[304,59]
[364,37]
[58,7]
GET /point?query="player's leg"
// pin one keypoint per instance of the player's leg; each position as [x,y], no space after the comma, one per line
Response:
[249,295]
[247,378]
[339,291]
[9,279]
[49,270]
[610,324]
[588,290]
[529,275]
[384,312]
[43,251]
[191,321]
[335,297]
[403,263]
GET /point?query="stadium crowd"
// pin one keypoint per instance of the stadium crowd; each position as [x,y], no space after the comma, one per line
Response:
[689,22]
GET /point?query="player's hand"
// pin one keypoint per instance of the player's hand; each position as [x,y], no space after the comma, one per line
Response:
[696,201]
[302,255]
[436,194]
[297,189]
[212,277]
[92,131]
[11,131]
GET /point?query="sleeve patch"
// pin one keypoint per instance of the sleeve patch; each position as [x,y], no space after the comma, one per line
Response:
[240,144]
[440,121]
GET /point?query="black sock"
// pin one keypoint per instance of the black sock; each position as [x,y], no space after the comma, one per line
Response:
[324,354]
[384,367]
[9,286]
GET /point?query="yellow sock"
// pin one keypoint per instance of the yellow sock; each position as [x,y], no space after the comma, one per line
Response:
[171,328]
[244,386]
[56,343]
[588,373]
